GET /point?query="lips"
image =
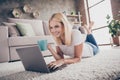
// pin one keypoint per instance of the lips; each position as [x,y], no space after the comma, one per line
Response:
[56,34]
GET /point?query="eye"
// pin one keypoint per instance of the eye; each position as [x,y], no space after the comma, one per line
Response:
[56,26]
[50,27]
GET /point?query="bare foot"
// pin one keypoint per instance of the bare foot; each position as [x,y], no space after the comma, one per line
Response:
[89,27]
[86,27]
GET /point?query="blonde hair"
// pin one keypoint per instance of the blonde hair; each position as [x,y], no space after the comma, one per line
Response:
[60,17]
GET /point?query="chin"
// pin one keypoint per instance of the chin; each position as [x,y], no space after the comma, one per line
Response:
[57,35]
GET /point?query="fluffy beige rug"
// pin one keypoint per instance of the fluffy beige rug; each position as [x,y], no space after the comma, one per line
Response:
[103,66]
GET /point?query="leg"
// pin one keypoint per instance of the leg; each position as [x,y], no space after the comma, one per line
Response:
[95,49]
[90,37]
[91,40]
[88,28]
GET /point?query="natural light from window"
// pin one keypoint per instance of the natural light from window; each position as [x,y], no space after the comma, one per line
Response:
[98,10]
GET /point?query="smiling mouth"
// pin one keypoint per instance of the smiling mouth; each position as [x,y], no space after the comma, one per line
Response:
[56,34]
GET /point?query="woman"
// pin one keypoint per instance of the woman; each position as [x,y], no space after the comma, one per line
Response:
[68,41]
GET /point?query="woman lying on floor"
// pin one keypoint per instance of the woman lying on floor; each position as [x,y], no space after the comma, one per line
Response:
[69,41]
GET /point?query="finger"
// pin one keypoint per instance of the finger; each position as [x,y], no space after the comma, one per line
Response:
[52,67]
[50,64]
[55,67]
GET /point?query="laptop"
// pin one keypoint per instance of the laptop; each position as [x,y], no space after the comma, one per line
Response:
[33,60]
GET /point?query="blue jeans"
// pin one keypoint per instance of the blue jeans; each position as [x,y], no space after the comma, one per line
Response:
[92,42]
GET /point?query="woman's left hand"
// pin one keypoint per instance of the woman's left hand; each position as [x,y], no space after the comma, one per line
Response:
[56,64]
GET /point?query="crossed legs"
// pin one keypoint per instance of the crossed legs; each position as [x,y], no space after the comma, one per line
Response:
[90,38]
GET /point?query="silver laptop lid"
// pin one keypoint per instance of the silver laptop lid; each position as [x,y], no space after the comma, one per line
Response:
[32,59]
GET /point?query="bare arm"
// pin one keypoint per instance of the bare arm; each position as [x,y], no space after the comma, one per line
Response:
[60,59]
[77,55]
[57,54]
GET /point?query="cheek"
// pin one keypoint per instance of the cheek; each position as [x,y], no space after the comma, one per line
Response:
[51,30]
[60,30]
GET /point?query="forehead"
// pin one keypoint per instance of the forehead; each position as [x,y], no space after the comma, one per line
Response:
[54,22]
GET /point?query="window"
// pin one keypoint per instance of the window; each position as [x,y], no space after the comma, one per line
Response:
[98,10]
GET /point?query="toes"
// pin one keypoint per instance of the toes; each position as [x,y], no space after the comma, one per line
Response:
[91,24]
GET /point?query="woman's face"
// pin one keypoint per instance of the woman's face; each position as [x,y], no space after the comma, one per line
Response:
[56,28]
